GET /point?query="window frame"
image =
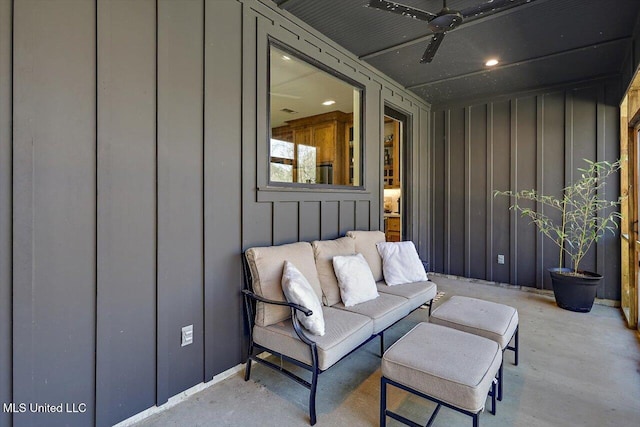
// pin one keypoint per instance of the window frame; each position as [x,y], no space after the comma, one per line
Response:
[273,42]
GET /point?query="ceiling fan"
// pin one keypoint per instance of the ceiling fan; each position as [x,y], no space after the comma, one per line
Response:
[445,20]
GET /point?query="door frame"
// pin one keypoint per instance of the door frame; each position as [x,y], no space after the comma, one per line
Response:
[405,147]
[629,185]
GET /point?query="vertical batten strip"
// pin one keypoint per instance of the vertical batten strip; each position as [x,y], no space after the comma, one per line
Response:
[568,137]
[432,173]
[601,150]
[467,191]
[424,185]
[162,344]
[340,212]
[6,206]
[513,217]
[425,123]
[299,221]
[568,145]
[97,187]
[540,126]
[489,256]
[447,201]
[203,195]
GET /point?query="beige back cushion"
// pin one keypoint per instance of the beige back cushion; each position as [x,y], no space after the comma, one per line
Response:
[266,264]
[324,251]
[366,245]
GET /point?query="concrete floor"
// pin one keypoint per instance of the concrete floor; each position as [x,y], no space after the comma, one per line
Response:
[575,370]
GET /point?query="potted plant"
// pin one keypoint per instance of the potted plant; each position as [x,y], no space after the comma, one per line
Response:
[582,217]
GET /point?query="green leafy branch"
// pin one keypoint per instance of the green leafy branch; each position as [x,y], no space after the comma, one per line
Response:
[586,216]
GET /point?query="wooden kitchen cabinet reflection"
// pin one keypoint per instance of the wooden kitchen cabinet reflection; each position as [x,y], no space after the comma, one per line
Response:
[327,133]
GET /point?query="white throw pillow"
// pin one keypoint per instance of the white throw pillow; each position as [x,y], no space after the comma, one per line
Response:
[298,290]
[401,263]
[355,279]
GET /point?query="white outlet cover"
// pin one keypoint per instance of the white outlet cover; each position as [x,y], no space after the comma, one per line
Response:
[500,259]
[187,335]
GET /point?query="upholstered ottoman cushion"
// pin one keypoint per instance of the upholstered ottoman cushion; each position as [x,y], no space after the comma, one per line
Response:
[450,365]
[497,322]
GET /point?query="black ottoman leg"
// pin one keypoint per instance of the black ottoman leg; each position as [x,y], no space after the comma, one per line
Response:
[517,344]
[383,402]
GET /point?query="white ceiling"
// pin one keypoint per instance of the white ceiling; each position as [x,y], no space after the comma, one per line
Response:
[301,87]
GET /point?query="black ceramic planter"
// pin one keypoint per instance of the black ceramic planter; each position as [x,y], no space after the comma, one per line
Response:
[575,293]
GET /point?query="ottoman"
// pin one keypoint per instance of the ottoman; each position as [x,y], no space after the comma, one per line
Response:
[452,368]
[497,322]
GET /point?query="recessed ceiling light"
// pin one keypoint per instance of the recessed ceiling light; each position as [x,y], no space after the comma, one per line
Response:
[286,58]
[329,102]
[491,62]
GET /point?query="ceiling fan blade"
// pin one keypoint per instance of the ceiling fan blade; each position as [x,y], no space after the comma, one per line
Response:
[401,9]
[490,7]
[430,52]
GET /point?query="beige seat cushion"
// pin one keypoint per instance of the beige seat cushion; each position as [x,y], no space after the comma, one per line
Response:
[344,331]
[417,292]
[366,245]
[450,365]
[384,310]
[324,251]
[266,265]
[498,322]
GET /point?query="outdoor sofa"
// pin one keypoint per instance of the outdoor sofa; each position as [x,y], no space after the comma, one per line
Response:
[274,326]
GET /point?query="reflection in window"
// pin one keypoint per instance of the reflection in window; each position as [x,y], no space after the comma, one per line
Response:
[281,161]
[315,122]
[284,156]
[306,164]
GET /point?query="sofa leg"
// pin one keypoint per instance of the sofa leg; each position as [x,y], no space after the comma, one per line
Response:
[247,370]
[381,344]
[500,382]
[430,307]
[493,397]
[312,397]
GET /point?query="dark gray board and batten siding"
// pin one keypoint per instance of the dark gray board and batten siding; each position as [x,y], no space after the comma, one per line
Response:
[536,140]
[129,186]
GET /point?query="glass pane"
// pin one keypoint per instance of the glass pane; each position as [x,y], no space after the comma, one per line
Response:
[315,124]
[281,160]
[281,149]
[306,164]
[281,172]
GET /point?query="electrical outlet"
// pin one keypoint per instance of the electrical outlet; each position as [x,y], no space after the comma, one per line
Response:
[500,259]
[187,335]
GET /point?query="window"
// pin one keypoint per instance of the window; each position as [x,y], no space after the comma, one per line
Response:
[315,124]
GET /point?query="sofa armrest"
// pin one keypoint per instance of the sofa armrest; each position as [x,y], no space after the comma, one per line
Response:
[296,323]
[252,295]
